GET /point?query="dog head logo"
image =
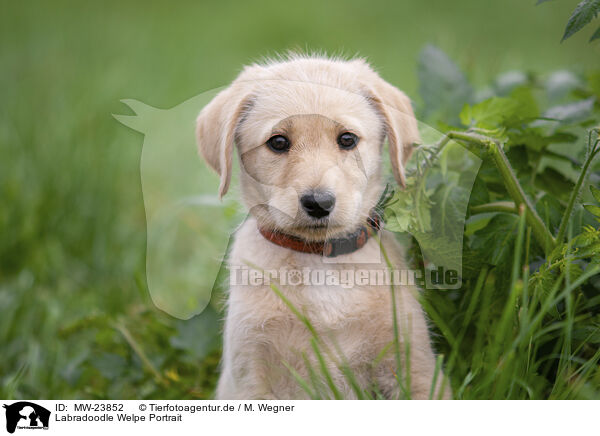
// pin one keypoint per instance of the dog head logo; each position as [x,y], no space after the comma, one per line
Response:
[26,415]
[189,225]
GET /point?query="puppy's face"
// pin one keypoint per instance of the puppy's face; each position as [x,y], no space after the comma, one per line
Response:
[310,162]
[309,134]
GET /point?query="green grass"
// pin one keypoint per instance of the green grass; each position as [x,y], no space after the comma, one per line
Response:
[77,320]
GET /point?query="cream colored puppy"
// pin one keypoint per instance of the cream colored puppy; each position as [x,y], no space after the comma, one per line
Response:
[309,133]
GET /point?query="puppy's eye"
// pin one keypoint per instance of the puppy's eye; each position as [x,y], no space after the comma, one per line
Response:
[278,143]
[347,141]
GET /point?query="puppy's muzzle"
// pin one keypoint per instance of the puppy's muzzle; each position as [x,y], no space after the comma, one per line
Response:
[318,204]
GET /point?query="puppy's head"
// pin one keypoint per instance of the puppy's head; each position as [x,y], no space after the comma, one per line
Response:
[309,133]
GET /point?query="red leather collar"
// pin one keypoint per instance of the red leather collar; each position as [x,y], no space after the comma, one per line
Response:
[331,247]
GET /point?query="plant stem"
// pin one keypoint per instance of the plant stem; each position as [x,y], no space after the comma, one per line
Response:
[482,145]
[562,229]
[497,206]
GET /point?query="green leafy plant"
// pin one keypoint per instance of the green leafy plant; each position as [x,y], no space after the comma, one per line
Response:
[525,323]
[583,14]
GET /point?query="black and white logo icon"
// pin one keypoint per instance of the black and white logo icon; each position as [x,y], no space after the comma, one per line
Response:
[26,415]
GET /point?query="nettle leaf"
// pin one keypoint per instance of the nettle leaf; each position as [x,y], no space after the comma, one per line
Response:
[550,210]
[554,183]
[449,201]
[442,85]
[487,114]
[480,193]
[399,215]
[489,174]
[409,210]
[582,15]
[536,140]
[501,111]
[527,105]
[587,243]
[588,236]
[595,35]
[593,209]
[397,222]
[520,160]
[495,241]
[591,250]
[562,138]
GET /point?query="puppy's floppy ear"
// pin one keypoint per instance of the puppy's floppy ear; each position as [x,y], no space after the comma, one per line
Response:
[400,123]
[215,130]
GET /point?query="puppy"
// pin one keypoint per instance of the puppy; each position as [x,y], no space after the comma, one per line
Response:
[309,133]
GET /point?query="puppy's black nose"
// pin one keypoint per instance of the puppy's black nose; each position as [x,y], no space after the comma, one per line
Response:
[318,203]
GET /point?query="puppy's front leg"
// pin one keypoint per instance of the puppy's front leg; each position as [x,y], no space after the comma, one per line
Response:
[422,368]
[244,369]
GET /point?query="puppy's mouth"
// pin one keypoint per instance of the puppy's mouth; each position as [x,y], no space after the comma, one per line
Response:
[317,231]
[316,226]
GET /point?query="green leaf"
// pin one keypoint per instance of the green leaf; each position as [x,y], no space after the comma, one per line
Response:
[539,2]
[586,238]
[596,193]
[494,242]
[535,139]
[582,15]
[450,202]
[550,211]
[520,160]
[587,243]
[527,106]
[400,214]
[487,114]
[480,193]
[442,85]
[590,250]
[593,209]
[595,35]
[554,183]
[501,111]
[562,138]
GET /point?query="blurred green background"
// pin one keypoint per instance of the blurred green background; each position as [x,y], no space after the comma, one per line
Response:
[76,319]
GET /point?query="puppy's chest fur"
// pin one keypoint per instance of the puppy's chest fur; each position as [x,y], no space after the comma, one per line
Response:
[354,320]
[329,304]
